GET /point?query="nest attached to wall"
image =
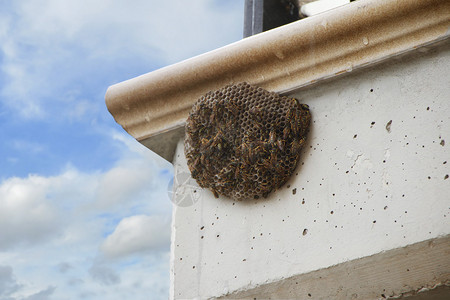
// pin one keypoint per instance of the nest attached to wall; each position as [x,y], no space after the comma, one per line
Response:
[243,141]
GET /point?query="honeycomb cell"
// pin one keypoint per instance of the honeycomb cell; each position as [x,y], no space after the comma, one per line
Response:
[244,142]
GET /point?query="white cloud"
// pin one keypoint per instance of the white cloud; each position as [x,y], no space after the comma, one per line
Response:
[8,282]
[25,215]
[49,46]
[122,183]
[104,274]
[63,267]
[137,234]
[27,146]
[74,282]
[59,232]
[9,287]
[42,295]
[37,208]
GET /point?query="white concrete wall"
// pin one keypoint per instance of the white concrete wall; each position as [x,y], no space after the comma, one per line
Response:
[372,177]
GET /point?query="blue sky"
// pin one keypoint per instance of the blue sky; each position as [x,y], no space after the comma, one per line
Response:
[84,210]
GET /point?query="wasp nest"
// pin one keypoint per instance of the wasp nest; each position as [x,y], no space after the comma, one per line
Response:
[243,141]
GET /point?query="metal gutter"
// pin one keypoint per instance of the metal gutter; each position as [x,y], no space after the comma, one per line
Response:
[153,107]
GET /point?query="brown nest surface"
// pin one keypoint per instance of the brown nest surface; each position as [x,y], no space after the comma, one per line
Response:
[243,141]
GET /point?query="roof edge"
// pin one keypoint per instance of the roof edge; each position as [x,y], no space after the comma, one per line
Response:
[281,60]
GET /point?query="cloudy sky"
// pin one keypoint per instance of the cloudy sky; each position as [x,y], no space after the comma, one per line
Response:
[84,210]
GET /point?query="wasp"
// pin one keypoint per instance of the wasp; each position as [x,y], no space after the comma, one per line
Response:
[205,143]
[304,106]
[272,137]
[251,154]
[236,171]
[273,159]
[218,140]
[247,152]
[244,148]
[260,150]
[280,144]
[244,171]
[264,145]
[304,122]
[203,159]
[212,117]
[195,162]
[222,179]
[285,133]
[294,125]
[216,194]
[290,112]
[270,162]
[228,126]
[296,145]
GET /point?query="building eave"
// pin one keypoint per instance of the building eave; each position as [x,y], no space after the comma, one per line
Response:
[153,107]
